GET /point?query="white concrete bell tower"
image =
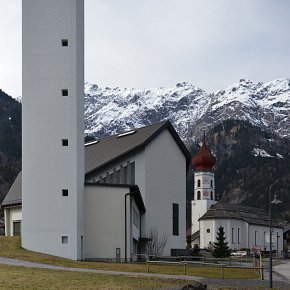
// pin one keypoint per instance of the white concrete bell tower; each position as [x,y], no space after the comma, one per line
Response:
[53,127]
[204,185]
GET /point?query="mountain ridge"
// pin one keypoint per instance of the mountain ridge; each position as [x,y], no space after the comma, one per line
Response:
[189,108]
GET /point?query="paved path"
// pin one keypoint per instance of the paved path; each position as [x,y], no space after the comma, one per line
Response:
[283,270]
[280,281]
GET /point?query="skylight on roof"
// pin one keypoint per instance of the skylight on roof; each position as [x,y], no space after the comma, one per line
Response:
[91,143]
[126,133]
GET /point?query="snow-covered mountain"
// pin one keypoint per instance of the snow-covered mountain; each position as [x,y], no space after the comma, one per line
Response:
[189,108]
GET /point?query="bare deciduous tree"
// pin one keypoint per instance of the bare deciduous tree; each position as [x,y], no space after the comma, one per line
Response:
[156,244]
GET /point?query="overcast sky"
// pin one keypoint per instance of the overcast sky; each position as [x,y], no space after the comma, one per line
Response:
[154,43]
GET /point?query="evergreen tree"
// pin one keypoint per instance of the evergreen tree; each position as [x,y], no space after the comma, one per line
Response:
[221,249]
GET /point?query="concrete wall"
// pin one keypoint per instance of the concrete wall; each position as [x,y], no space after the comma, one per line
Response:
[11,214]
[105,222]
[48,117]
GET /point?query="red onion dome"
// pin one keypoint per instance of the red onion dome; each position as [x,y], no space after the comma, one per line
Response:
[204,160]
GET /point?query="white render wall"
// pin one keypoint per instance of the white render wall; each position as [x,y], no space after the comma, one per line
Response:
[11,214]
[47,118]
[160,173]
[165,183]
[105,222]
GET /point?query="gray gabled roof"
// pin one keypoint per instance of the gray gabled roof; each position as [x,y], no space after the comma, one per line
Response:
[14,196]
[251,215]
[104,151]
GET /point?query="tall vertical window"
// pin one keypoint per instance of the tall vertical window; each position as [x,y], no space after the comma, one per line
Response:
[198,183]
[264,243]
[211,195]
[256,236]
[136,220]
[233,235]
[239,232]
[198,195]
[211,184]
[175,219]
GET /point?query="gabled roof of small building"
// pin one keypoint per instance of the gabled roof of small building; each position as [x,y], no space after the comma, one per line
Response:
[251,215]
[14,196]
[106,150]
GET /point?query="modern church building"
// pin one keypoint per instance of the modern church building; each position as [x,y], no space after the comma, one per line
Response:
[98,201]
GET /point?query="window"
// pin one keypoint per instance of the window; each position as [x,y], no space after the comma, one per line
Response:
[198,195]
[211,184]
[64,142]
[64,239]
[64,92]
[135,217]
[125,174]
[16,228]
[133,173]
[198,183]
[64,42]
[233,235]
[175,219]
[264,239]
[256,234]
[65,192]
[239,235]
[211,195]
[208,231]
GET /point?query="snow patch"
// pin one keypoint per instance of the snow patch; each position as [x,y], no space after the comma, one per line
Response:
[260,152]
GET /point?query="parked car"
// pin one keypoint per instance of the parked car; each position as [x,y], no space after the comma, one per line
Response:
[239,254]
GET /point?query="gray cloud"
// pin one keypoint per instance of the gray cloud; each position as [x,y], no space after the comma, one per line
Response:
[152,43]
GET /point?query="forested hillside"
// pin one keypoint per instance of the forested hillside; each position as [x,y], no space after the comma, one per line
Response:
[10,141]
[249,160]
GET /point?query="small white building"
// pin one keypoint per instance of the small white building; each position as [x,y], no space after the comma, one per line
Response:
[135,182]
[244,227]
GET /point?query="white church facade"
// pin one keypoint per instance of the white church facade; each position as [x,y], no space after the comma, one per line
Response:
[244,227]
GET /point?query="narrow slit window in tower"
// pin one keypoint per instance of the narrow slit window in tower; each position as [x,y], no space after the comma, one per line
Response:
[64,142]
[64,42]
[65,192]
[198,195]
[64,92]
[198,183]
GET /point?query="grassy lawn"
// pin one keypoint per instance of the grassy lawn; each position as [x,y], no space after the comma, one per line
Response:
[10,247]
[31,278]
